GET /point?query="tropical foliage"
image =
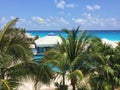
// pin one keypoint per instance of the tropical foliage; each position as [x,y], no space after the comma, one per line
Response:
[14,55]
[92,65]
[59,60]
[105,58]
[68,57]
[16,59]
[86,61]
[75,46]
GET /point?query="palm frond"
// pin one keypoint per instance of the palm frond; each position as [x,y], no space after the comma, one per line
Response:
[5,84]
[16,49]
[8,25]
[77,74]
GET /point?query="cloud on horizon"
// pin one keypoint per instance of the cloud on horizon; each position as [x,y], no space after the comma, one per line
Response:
[88,20]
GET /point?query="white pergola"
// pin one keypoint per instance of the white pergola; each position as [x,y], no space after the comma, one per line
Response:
[48,41]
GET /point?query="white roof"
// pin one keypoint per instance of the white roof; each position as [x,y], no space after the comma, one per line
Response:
[48,41]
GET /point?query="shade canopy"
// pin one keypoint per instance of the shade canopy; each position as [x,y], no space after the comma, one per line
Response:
[48,41]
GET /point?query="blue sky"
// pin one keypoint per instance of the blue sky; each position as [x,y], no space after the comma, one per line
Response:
[58,14]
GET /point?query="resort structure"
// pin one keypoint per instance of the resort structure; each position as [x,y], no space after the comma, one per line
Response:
[47,42]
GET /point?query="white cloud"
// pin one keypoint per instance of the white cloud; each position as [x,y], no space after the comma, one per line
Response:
[3,21]
[70,5]
[79,21]
[93,21]
[55,21]
[22,20]
[36,18]
[94,7]
[63,21]
[62,4]
[97,7]
[12,17]
[50,22]
[88,21]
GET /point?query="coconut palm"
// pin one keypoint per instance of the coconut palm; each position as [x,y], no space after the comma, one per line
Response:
[14,55]
[75,45]
[16,59]
[69,54]
[115,64]
[59,60]
[102,57]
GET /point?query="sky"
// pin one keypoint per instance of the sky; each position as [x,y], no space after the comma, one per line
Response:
[59,14]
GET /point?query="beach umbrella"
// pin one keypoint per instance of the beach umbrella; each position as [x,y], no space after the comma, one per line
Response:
[47,41]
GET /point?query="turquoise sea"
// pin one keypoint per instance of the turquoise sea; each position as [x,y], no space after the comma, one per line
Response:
[113,35]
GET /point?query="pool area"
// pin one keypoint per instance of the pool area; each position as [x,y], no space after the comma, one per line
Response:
[38,57]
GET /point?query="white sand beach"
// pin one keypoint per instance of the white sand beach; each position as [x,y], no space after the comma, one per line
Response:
[29,85]
[109,42]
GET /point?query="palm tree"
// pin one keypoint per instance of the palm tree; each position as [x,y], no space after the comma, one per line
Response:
[115,64]
[74,46]
[16,59]
[14,55]
[69,54]
[59,60]
[102,57]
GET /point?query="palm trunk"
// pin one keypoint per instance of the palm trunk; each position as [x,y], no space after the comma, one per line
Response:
[63,81]
[2,73]
[73,84]
[73,87]
[35,86]
[113,87]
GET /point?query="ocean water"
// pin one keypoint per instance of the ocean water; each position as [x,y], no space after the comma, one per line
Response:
[113,35]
